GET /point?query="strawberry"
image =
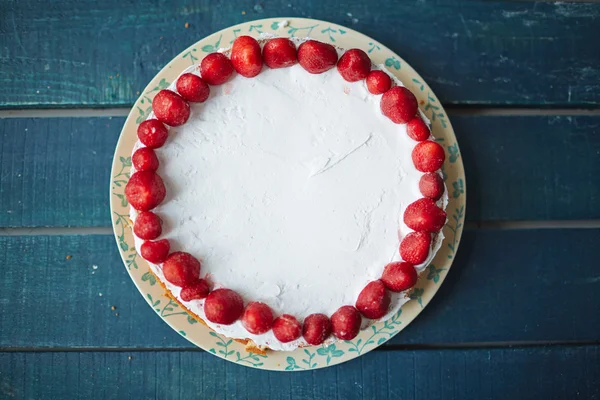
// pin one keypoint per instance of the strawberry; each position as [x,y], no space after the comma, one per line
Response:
[280,53]
[373,301]
[155,252]
[424,215]
[417,129]
[144,159]
[145,190]
[245,56]
[192,88]
[399,104]
[181,269]
[432,185]
[147,225]
[428,156]
[378,82]
[257,318]
[345,323]
[223,306]
[152,133]
[354,65]
[317,57]
[170,108]
[195,291]
[316,329]
[286,328]
[399,276]
[216,69]
[415,247]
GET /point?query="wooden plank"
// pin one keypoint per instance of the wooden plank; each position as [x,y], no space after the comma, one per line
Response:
[505,286]
[483,52]
[528,373]
[56,171]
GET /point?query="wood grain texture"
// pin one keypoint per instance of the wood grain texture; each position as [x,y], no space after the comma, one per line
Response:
[56,171]
[530,373]
[469,52]
[505,286]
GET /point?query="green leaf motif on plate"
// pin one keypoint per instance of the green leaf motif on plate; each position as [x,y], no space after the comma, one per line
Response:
[459,188]
[454,153]
[191,320]
[191,56]
[330,352]
[389,329]
[222,345]
[211,48]
[131,260]
[416,294]
[304,30]
[122,223]
[435,110]
[253,359]
[149,276]
[434,273]
[372,47]
[455,224]
[331,32]
[392,62]
[421,86]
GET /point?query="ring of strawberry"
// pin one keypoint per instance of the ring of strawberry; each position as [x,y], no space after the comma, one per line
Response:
[224,306]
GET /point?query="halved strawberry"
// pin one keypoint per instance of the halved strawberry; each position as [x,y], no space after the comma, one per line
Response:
[280,53]
[345,323]
[354,65]
[378,82]
[257,318]
[145,190]
[399,276]
[193,88]
[316,329]
[170,108]
[148,225]
[374,300]
[317,57]
[415,247]
[286,328]
[144,159]
[424,215]
[245,56]
[152,133]
[417,129]
[181,269]
[197,290]
[399,104]
[428,156]
[432,185]
[155,252]
[216,69]
[223,306]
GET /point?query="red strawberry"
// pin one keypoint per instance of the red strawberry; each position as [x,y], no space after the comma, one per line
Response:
[155,252]
[417,129]
[245,56]
[147,225]
[415,247]
[373,301]
[145,190]
[428,156]
[223,306]
[216,69]
[144,159]
[192,88]
[345,323]
[399,104]
[424,215]
[152,133]
[316,329]
[399,276]
[170,108]
[378,82]
[354,65]
[257,318]
[195,291]
[317,57]
[280,53]
[432,185]
[286,328]
[181,269]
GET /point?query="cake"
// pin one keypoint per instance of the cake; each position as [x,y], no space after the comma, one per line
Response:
[287,193]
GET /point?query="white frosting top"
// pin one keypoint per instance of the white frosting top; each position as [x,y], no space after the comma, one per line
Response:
[290,188]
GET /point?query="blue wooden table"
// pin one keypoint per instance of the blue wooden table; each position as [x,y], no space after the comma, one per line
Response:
[519,314]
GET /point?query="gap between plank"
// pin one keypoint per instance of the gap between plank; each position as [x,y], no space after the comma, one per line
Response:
[466,110]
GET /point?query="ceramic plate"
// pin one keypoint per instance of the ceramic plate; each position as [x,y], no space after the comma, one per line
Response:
[311,357]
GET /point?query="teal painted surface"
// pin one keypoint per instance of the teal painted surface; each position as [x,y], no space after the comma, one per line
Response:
[536,286]
[56,171]
[563,372]
[469,52]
